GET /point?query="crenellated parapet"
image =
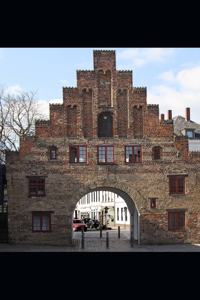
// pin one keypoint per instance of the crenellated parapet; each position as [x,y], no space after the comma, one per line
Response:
[153,108]
[125,78]
[70,95]
[56,107]
[42,123]
[104,59]
[140,90]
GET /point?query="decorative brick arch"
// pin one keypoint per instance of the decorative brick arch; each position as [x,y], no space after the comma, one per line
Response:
[120,189]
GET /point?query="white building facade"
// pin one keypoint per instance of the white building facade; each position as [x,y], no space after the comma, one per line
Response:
[105,206]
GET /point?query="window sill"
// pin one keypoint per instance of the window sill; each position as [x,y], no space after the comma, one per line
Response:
[40,231]
[133,163]
[39,196]
[177,230]
[78,163]
[106,164]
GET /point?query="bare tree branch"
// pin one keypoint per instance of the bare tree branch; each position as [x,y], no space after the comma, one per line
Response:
[17,116]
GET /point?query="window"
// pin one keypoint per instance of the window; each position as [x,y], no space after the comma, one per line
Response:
[77,154]
[152,202]
[190,133]
[118,214]
[177,184]
[53,152]
[125,213]
[36,186]
[176,220]
[105,154]
[105,124]
[132,154]
[156,152]
[41,221]
[122,211]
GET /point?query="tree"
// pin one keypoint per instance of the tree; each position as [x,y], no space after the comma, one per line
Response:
[17,117]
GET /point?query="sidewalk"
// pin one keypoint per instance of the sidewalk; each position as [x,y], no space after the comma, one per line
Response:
[93,243]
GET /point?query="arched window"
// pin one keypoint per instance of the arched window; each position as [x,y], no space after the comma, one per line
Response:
[156,152]
[105,124]
[53,152]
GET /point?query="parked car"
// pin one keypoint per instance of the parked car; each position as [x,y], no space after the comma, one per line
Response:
[90,223]
[79,225]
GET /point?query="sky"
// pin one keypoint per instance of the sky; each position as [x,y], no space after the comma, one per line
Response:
[171,75]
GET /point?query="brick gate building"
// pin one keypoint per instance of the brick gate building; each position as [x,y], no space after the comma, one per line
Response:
[104,137]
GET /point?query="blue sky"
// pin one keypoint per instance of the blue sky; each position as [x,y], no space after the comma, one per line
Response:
[171,75]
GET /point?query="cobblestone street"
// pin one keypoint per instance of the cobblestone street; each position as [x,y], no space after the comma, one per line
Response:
[93,243]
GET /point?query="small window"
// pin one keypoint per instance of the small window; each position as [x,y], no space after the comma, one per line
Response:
[36,186]
[122,212]
[156,152]
[117,213]
[132,154]
[41,221]
[77,154]
[105,154]
[176,220]
[190,133]
[125,213]
[53,152]
[177,184]
[152,202]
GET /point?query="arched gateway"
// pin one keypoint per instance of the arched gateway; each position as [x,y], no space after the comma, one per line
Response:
[103,136]
[134,213]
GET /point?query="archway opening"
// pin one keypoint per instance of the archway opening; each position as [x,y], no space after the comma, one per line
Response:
[108,209]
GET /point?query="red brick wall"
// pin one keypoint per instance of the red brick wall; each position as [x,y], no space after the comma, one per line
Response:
[122,113]
[87,113]
[104,88]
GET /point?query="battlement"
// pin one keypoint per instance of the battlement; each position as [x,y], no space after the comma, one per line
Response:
[70,92]
[100,51]
[56,107]
[85,71]
[153,108]
[104,59]
[140,90]
[125,71]
[42,123]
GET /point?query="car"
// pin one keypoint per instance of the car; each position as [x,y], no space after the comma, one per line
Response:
[88,222]
[91,223]
[78,225]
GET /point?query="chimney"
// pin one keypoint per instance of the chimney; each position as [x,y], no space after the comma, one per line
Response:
[187,113]
[162,117]
[169,115]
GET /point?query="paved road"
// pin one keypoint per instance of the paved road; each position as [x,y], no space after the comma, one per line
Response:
[93,243]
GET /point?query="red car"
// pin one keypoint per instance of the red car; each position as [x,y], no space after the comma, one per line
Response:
[79,225]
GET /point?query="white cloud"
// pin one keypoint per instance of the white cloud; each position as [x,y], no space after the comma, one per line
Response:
[13,90]
[185,92]
[143,56]
[168,76]
[189,78]
[177,100]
